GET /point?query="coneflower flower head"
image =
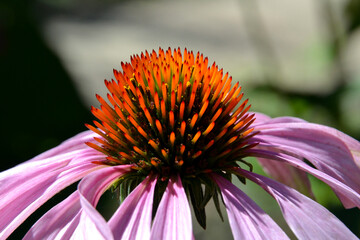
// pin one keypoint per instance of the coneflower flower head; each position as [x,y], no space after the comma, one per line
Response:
[171,114]
[174,130]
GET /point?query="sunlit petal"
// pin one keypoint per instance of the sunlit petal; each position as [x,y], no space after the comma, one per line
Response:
[173,218]
[132,220]
[307,219]
[247,220]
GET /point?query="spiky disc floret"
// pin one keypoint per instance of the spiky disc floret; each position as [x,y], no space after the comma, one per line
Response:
[173,114]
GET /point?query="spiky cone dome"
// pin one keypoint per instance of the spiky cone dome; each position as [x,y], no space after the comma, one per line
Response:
[170,114]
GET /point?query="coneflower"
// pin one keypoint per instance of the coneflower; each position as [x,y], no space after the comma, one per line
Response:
[175,130]
[173,116]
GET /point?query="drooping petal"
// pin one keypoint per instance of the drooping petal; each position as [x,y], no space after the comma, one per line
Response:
[95,184]
[351,195]
[75,143]
[329,150]
[55,222]
[27,186]
[132,220]
[280,171]
[247,220]
[90,190]
[260,118]
[62,220]
[307,218]
[173,218]
[289,175]
[91,225]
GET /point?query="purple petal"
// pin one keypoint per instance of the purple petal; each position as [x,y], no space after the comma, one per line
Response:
[75,143]
[62,220]
[352,196]
[291,176]
[281,172]
[247,220]
[173,218]
[90,190]
[132,220]
[307,218]
[329,150]
[260,118]
[55,222]
[91,224]
[27,186]
[94,184]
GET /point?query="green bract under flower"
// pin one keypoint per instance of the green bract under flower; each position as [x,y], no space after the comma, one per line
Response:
[172,114]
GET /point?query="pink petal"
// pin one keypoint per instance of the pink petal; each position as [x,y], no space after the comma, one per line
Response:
[133,218]
[91,225]
[291,176]
[75,143]
[90,190]
[56,220]
[307,219]
[247,220]
[329,150]
[96,183]
[352,196]
[173,218]
[65,218]
[279,171]
[27,186]
[260,118]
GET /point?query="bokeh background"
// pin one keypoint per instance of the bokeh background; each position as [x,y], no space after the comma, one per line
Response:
[297,58]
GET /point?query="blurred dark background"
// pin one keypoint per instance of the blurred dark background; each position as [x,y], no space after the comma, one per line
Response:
[55,55]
